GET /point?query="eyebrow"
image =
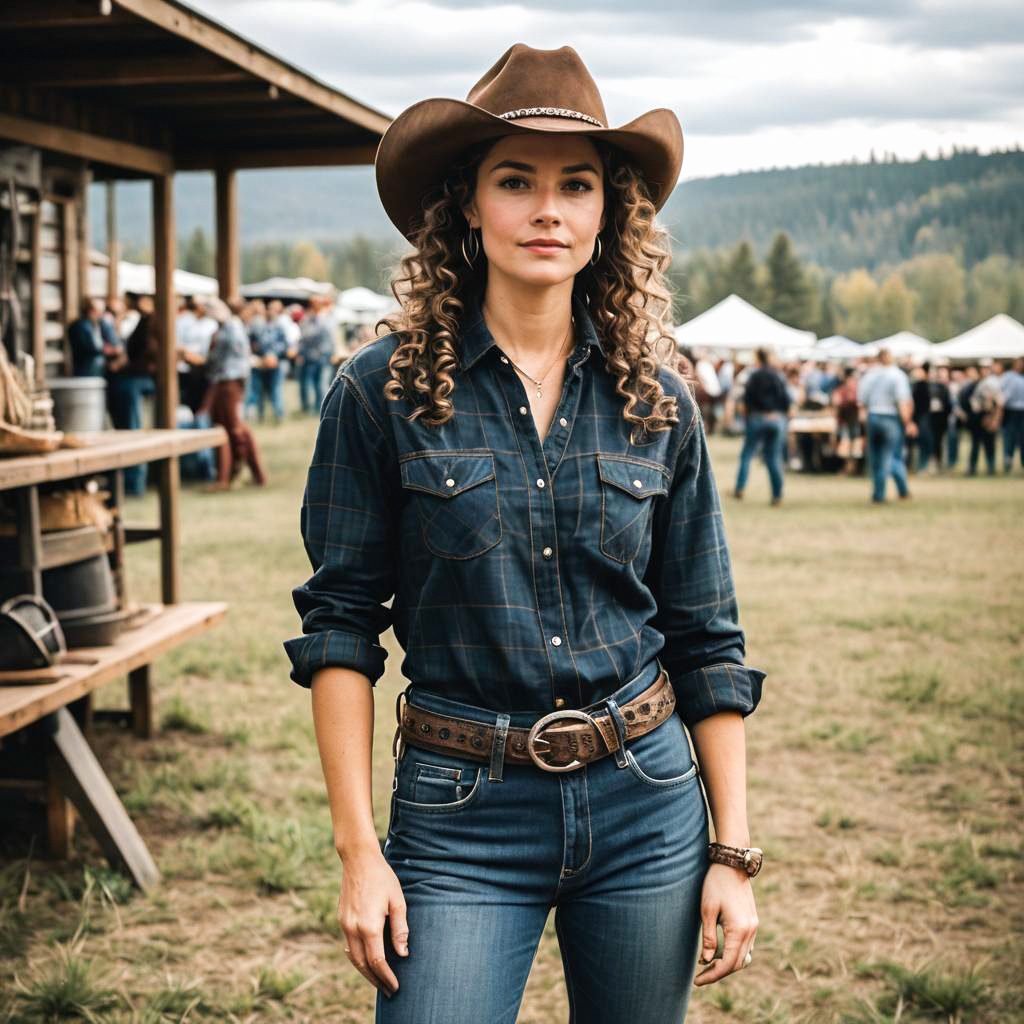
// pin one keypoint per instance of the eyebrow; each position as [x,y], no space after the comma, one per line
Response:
[516,165]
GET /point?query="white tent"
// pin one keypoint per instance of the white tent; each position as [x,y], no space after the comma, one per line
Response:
[838,347]
[139,279]
[362,306]
[1001,337]
[906,343]
[288,289]
[735,324]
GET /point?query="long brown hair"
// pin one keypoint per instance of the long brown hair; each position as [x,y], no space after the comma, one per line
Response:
[625,293]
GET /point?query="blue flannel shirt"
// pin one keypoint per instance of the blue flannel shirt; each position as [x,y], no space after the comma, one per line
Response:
[523,573]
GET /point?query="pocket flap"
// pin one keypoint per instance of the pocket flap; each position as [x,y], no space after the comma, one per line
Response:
[445,473]
[641,479]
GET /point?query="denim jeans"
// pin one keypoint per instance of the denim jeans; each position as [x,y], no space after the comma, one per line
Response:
[266,384]
[126,394]
[766,430]
[924,444]
[885,453]
[981,440]
[311,385]
[1013,437]
[617,847]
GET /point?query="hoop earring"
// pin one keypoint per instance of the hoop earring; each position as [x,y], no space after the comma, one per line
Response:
[596,258]
[474,245]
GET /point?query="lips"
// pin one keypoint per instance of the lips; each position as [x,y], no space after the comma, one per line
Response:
[544,243]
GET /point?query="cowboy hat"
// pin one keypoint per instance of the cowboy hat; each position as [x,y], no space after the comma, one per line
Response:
[526,91]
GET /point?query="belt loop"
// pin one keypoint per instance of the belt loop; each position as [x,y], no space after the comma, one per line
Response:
[620,730]
[498,748]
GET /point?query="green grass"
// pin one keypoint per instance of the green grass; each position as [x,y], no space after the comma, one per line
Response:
[884,772]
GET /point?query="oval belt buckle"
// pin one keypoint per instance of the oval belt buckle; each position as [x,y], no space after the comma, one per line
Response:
[535,737]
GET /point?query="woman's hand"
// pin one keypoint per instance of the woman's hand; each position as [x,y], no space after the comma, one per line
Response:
[727,897]
[370,891]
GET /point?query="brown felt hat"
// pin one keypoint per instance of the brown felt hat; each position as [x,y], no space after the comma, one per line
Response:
[527,90]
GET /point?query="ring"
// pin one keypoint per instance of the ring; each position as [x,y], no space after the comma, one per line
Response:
[347,950]
[747,959]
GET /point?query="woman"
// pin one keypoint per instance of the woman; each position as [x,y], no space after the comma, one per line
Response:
[518,468]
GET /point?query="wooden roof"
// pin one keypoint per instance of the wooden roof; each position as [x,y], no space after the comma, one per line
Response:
[154,86]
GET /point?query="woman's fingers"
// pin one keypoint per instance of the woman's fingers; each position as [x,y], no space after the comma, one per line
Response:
[709,927]
[376,961]
[357,957]
[399,927]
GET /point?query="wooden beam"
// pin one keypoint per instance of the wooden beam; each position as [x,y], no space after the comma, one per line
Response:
[308,156]
[85,145]
[81,777]
[82,227]
[113,245]
[105,71]
[229,269]
[201,31]
[57,14]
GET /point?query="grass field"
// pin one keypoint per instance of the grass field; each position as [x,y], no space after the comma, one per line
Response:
[885,769]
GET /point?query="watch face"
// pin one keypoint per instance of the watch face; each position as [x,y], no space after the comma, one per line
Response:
[752,861]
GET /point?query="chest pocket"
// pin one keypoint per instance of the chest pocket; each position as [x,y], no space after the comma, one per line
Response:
[456,499]
[628,489]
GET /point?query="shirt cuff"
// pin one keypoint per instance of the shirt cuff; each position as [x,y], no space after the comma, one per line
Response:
[725,687]
[334,649]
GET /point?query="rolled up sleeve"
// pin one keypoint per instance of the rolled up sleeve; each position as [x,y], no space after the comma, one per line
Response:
[349,535]
[690,577]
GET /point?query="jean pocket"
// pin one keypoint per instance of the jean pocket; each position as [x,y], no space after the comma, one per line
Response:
[661,758]
[435,783]
[628,490]
[456,498]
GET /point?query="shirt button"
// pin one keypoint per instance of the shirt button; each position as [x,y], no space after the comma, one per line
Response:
[563,421]
[547,552]
[556,641]
[540,482]
[504,359]
[637,483]
[559,702]
[449,482]
[523,410]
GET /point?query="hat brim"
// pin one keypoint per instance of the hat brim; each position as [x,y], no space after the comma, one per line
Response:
[420,145]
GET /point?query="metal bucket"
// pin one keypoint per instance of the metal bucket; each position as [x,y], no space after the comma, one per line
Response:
[79,403]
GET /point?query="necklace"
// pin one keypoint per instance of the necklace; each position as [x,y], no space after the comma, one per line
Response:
[537,383]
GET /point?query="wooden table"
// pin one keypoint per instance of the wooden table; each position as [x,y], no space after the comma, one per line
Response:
[35,705]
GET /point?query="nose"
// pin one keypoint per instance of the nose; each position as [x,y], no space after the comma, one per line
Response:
[546,211]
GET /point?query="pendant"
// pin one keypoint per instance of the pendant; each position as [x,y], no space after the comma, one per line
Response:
[539,395]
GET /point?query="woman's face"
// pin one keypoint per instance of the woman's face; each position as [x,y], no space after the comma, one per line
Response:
[539,204]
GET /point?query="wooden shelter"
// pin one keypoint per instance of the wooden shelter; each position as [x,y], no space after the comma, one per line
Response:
[101,90]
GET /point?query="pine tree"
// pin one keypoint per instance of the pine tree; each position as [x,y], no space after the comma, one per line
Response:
[789,298]
[740,275]
[196,254]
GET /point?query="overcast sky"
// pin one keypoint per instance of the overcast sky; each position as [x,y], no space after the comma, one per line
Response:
[755,84]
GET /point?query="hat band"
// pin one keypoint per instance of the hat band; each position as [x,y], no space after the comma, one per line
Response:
[512,115]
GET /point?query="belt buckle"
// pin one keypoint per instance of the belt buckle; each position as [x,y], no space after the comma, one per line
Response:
[535,737]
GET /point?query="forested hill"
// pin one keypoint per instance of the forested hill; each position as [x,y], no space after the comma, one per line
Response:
[841,216]
[862,215]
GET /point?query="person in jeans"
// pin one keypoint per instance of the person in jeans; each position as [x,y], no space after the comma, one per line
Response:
[316,349]
[884,395]
[1013,414]
[985,403]
[227,367]
[542,529]
[765,404]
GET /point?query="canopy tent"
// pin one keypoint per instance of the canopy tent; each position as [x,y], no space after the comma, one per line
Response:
[735,324]
[906,343]
[1001,337]
[140,279]
[287,289]
[838,347]
[362,306]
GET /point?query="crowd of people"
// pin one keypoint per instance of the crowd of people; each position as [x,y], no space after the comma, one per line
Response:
[233,361]
[894,419]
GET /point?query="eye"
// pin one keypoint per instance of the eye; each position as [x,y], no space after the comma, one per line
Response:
[507,183]
[585,186]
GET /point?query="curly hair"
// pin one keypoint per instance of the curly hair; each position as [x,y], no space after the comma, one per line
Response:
[625,292]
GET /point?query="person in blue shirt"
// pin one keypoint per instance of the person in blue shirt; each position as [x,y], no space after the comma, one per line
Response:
[91,345]
[884,395]
[517,480]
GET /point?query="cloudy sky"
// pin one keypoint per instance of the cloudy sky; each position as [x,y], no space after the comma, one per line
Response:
[755,84]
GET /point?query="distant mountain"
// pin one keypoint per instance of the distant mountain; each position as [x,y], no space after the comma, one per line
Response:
[841,216]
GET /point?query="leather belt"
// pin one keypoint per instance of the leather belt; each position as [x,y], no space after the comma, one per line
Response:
[569,738]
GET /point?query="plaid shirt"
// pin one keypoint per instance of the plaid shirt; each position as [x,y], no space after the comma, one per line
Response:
[526,575]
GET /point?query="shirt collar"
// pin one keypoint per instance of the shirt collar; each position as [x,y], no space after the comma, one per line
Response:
[475,338]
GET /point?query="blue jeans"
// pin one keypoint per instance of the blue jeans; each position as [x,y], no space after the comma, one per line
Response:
[885,453]
[1013,437]
[311,379]
[266,383]
[766,430]
[924,443]
[126,394]
[617,847]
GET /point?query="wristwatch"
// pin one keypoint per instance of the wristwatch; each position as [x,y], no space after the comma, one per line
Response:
[746,858]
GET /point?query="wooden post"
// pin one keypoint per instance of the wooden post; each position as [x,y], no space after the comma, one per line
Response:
[113,245]
[228,265]
[167,379]
[82,230]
